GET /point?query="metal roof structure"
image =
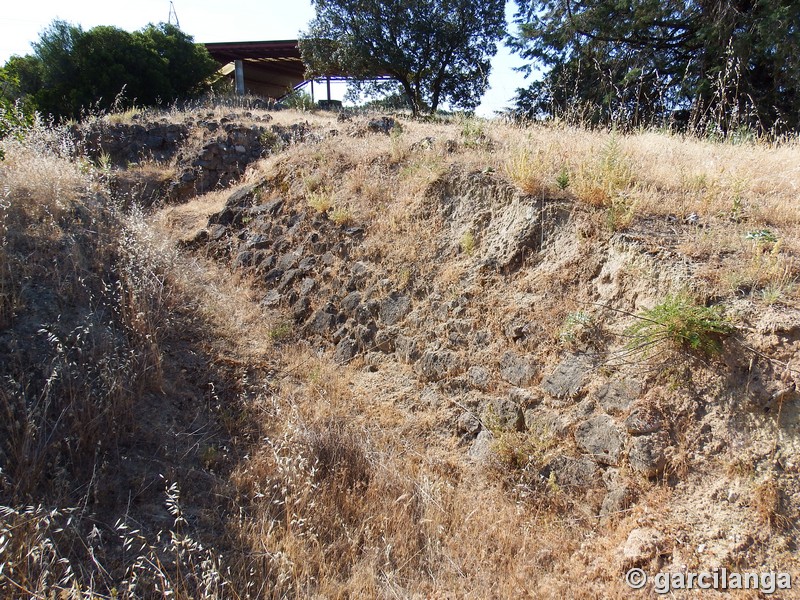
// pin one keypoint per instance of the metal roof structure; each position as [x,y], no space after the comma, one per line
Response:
[268,68]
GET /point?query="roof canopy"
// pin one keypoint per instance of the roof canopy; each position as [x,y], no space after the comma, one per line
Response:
[271,68]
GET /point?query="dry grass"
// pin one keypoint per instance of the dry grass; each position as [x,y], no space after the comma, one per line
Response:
[333,488]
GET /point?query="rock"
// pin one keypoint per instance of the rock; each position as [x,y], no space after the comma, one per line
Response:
[271,208]
[259,242]
[647,454]
[407,348]
[617,396]
[273,275]
[478,377]
[572,473]
[644,420]
[350,302]
[243,260]
[307,264]
[384,341]
[288,278]
[272,298]
[381,125]
[394,308]
[504,414]
[365,334]
[288,261]
[523,397]
[468,424]
[617,501]
[601,438]
[358,275]
[481,449]
[569,377]
[548,420]
[345,351]
[516,370]
[216,232]
[643,544]
[301,309]
[438,364]
[306,286]
[323,322]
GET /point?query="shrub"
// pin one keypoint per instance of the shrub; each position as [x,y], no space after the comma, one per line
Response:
[679,322]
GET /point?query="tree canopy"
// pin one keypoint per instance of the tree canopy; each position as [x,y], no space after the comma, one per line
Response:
[723,63]
[434,51]
[72,69]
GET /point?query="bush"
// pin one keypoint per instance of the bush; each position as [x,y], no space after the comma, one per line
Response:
[679,322]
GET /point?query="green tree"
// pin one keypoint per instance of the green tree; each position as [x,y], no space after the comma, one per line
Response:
[434,51]
[72,69]
[15,115]
[724,62]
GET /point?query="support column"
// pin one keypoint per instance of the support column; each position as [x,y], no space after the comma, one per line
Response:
[329,90]
[239,78]
[312,91]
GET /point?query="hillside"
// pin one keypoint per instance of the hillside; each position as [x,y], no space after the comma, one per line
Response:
[307,355]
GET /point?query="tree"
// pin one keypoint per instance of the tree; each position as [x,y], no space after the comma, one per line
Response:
[72,69]
[725,62]
[434,51]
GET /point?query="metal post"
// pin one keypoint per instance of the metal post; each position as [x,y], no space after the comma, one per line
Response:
[329,90]
[239,78]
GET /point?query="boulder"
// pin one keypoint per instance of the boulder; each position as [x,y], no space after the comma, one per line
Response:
[569,377]
[601,439]
[394,308]
[435,365]
[642,545]
[516,370]
[647,454]
[617,396]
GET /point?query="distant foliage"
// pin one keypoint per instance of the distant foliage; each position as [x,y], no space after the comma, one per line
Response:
[72,70]
[433,51]
[711,66]
[15,116]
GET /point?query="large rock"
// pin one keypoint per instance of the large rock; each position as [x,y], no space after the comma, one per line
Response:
[617,502]
[437,364]
[481,449]
[572,473]
[509,224]
[569,377]
[516,370]
[643,544]
[601,438]
[345,351]
[647,454]
[323,322]
[504,414]
[394,308]
[644,420]
[617,396]
[478,377]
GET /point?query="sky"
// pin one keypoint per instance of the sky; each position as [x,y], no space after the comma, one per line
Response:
[21,22]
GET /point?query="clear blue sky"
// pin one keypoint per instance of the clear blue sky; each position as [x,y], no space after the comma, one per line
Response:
[21,22]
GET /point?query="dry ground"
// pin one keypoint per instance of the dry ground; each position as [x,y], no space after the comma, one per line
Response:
[250,464]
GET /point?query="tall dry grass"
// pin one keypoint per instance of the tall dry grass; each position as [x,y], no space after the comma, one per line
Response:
[334,492]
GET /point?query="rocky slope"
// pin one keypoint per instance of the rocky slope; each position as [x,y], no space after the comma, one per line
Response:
[507,330]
